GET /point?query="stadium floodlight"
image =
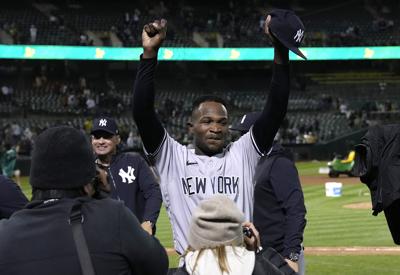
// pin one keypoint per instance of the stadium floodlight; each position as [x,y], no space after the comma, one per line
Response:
[193,54]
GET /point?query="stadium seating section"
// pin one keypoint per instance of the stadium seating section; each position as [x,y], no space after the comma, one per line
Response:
[213,24]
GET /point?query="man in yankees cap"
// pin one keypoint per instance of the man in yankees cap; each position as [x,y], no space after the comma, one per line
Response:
[129,176]
[190,175]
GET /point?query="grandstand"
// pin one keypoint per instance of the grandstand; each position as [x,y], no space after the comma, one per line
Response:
[328,99]
[198,24]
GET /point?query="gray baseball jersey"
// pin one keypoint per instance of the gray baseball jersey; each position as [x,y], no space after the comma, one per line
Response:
[187,178]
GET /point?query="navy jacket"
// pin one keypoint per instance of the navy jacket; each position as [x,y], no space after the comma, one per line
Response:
[279,210]
[39,240]
[134,183]
[11,197]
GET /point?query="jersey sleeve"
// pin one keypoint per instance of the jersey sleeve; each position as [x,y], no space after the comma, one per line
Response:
[149,126]
[267,125]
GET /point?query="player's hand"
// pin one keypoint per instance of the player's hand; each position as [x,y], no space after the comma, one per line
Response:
[153,35]
[252,243]
[293,265]
[147,227]
[281,53]
[267,30]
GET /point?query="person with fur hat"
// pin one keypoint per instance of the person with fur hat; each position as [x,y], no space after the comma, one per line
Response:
[40,239]
[218,244]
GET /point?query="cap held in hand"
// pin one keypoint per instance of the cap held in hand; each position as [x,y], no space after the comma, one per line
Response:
[287,27]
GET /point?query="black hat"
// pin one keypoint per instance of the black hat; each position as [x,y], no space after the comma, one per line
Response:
[105,124]
[62,158]
[287,27]
[246,122]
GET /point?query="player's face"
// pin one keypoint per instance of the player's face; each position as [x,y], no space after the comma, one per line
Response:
[104,143]
[209,128]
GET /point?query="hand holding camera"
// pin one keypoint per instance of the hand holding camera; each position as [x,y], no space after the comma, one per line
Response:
[100,182]
[251,236]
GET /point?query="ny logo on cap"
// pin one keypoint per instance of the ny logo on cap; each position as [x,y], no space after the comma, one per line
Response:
[103,122]
[299,35]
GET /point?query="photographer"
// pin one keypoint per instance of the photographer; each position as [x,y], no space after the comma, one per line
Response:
[41,239]
[130,178]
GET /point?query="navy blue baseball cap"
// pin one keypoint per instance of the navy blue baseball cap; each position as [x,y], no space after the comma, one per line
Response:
[105,124]
[246,122]
[287,27]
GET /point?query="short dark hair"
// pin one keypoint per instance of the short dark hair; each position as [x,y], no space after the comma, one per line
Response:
[207,98]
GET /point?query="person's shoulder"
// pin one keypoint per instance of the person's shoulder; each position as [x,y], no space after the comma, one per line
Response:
[240,142]
[7,185]
[283,161]
[133,155]
[107,202]
[5,182]
[108,206]
[130,156]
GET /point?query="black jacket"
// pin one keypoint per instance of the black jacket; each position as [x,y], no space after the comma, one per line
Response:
[279,210]
[11,197]
[134,183]
[378,164]
[38,240]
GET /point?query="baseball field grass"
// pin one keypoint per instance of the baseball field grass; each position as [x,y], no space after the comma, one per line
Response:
[341,236]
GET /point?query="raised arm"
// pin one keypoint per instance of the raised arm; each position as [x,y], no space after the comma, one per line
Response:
[267,125]
[150,128]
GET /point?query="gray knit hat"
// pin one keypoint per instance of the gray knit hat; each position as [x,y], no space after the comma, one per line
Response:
[216,221]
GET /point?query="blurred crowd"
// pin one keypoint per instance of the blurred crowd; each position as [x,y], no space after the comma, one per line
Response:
[231,24]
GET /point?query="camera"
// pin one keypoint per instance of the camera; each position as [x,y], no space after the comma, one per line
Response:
[247,232]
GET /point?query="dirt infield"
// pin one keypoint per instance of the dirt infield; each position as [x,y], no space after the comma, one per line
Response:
[360,205]
[321,179]
[352,250]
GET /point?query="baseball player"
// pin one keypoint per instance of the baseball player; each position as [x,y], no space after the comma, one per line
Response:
[129,176]
[190,175]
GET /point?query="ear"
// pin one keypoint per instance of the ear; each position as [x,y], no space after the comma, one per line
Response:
[118,139]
